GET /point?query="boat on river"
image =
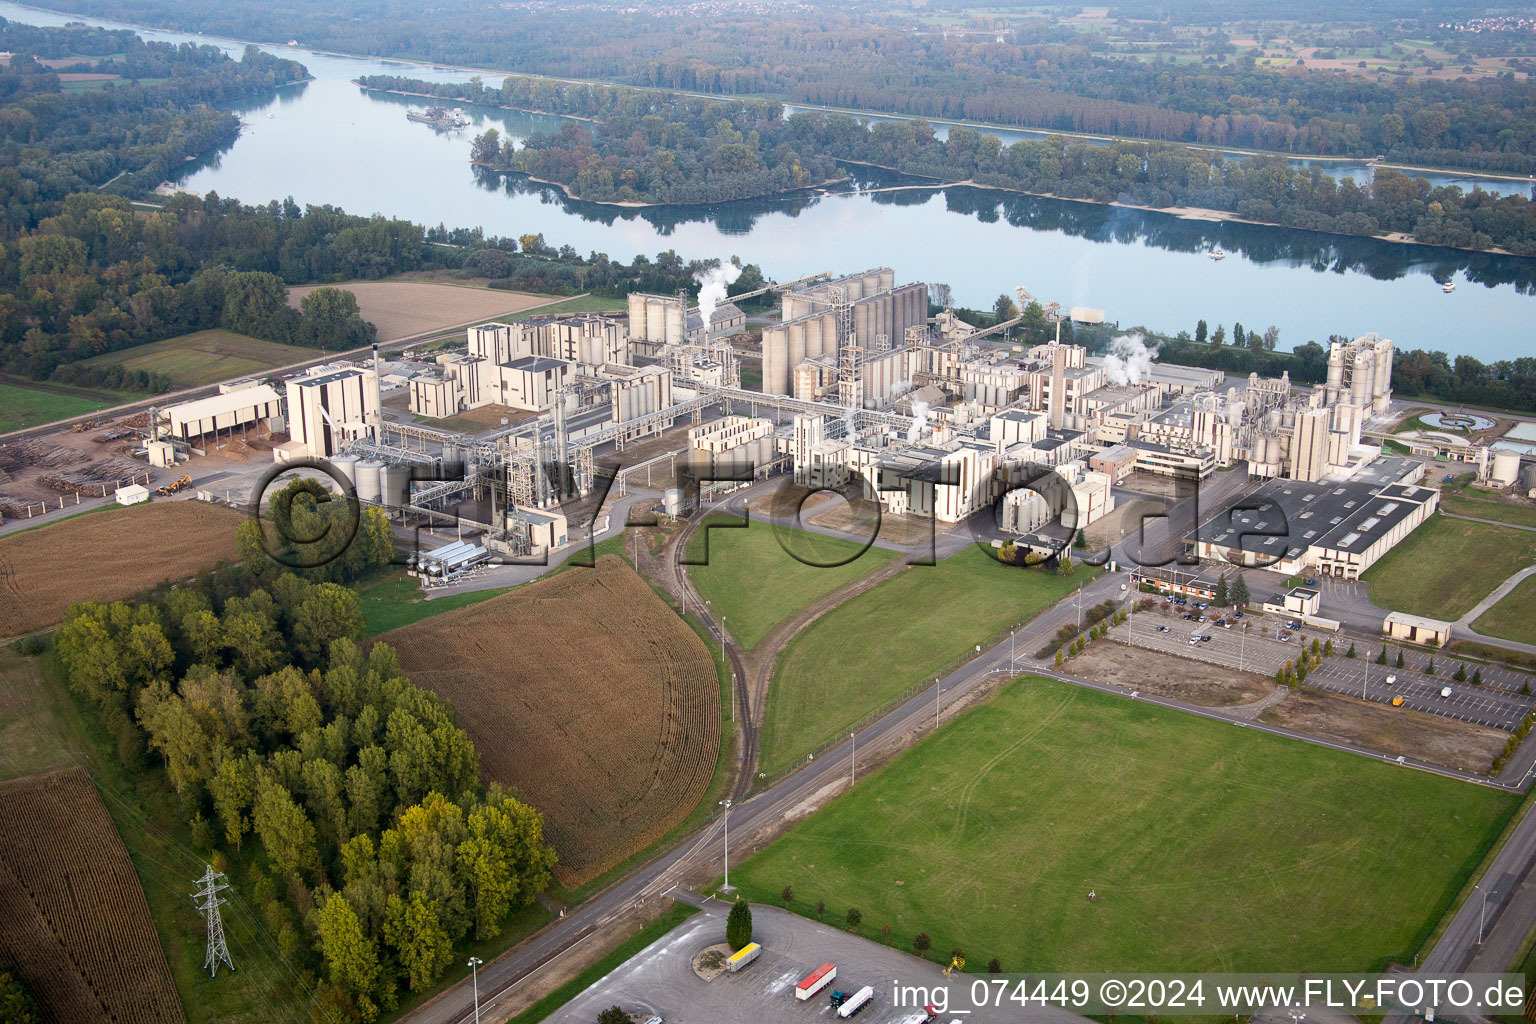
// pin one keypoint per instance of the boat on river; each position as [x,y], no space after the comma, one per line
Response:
[439,117]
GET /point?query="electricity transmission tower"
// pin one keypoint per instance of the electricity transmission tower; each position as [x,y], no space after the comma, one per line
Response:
[208,903]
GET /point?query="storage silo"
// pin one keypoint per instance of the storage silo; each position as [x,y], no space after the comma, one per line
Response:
[655,318]
[1506,468]
[776,360]
[346,465]
[815,344]
[798,343]
[368,480]
[1528,477]
[1364,378]
[395,485]
[637,315]
[672,501]
[676,323]
[863,328]
[886,277]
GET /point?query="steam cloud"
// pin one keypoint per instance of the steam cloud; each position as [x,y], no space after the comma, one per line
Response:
[712,285]
[919,421]
[1129,360]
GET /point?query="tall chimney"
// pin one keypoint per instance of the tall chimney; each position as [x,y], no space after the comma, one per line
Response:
[378,399]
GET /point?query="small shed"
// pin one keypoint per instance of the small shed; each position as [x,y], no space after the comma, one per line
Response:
[133,494]
[1417,629]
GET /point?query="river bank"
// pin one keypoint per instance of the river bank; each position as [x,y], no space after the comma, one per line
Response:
[988,126]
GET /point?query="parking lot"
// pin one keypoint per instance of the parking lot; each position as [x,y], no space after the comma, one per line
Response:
[660,979]
[1259,651]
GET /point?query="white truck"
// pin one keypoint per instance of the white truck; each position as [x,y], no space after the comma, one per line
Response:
[856,1002]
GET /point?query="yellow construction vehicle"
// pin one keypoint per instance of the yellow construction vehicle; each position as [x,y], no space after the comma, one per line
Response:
[171,488]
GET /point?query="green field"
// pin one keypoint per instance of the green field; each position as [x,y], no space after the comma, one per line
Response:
[396,600]
[1448,565]
[877,646]
[756,583]
[205,357]
[22,407]
[1512,617]
[584,304]
[1208,848]
[1472,504]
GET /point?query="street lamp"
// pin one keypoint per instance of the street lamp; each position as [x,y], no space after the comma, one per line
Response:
[936,692]
[722,639]
[727,886]
[474,973]
[1482,918]
[853,763]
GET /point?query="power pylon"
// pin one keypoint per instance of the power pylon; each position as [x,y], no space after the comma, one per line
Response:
[208,903]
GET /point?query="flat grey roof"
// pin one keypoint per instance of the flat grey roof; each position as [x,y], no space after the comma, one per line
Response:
[536,364]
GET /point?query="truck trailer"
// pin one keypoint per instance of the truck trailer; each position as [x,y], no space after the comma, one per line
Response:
[817,980]
[856,1002]
[743,956]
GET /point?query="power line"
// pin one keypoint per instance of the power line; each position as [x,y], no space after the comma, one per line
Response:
[208,902]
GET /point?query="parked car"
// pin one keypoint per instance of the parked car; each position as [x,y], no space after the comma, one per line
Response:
[1237,614]
[1205,638]
[1292,624]
[1202,618]
[1225,624]
[1193,640]
[1162,629]
[1391,679]
[1187,615]
[1311,582]
[1285,636]
[1445,691]
[1397,701]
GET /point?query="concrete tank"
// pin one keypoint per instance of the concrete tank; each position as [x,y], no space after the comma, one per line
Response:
[676,324]
[672,501]
[637,316]
[775,360]
[346,465]
[368,480]
[655,318]
[395,485]
[1505,469]
[799,343]
[1528,477]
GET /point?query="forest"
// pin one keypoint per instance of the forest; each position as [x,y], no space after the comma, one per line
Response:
[380,851]
[1035,73]
[646,145]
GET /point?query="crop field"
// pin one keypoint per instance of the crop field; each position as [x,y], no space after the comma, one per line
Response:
[206,357]
[107,556]
[756,583]
[878,645]
[76,924]
[1448,565]
[586,694]
[400,309]
[1205,848]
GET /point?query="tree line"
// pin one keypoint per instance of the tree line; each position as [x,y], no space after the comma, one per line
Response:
[647,146]
[1034,73]
[379,850]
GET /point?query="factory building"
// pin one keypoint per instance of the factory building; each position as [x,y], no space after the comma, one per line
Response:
[867,312]
[637,393]
[233,408]
[329,407]
[732,447]
[1073,493]
[1330,529]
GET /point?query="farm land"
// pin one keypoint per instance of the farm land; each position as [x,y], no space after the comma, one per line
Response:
[400,309]
[22,407]
[1448,565]
[1514,617]
[587,695]
[752,578]
[76,923]
[108,556]
[906,630]
[1048,792]
[206,357]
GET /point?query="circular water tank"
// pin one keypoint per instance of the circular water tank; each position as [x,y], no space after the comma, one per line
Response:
[1506,467]
[395,485]
[368,480]
[346,465]
[672,501]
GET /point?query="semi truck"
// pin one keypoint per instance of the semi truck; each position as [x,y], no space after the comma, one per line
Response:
[743,956]
[817,980]
[856,1002]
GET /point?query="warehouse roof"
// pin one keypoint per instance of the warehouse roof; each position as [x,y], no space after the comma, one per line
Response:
[1285,517]
[536,364]
[218,405]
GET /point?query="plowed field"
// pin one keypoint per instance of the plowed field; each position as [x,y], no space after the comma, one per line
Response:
[107,555]
[588,696]
[76,924]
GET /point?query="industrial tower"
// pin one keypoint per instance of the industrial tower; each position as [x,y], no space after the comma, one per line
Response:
[208,903]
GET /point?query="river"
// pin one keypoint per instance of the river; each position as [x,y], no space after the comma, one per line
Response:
[329,142]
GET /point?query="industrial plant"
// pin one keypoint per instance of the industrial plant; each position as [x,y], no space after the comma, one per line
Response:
[863,392]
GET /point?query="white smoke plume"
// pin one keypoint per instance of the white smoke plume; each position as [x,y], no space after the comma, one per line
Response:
[919,421]
[1129,360]
[712,285]
[1235,410]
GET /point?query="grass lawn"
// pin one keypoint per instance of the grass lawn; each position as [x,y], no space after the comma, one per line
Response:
[893,637]
[1448,565]
[206,357]
[1512,617]
[22,407]
[1209,848]
[395,600]
[585,304]
[755,583]
[1471,504]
